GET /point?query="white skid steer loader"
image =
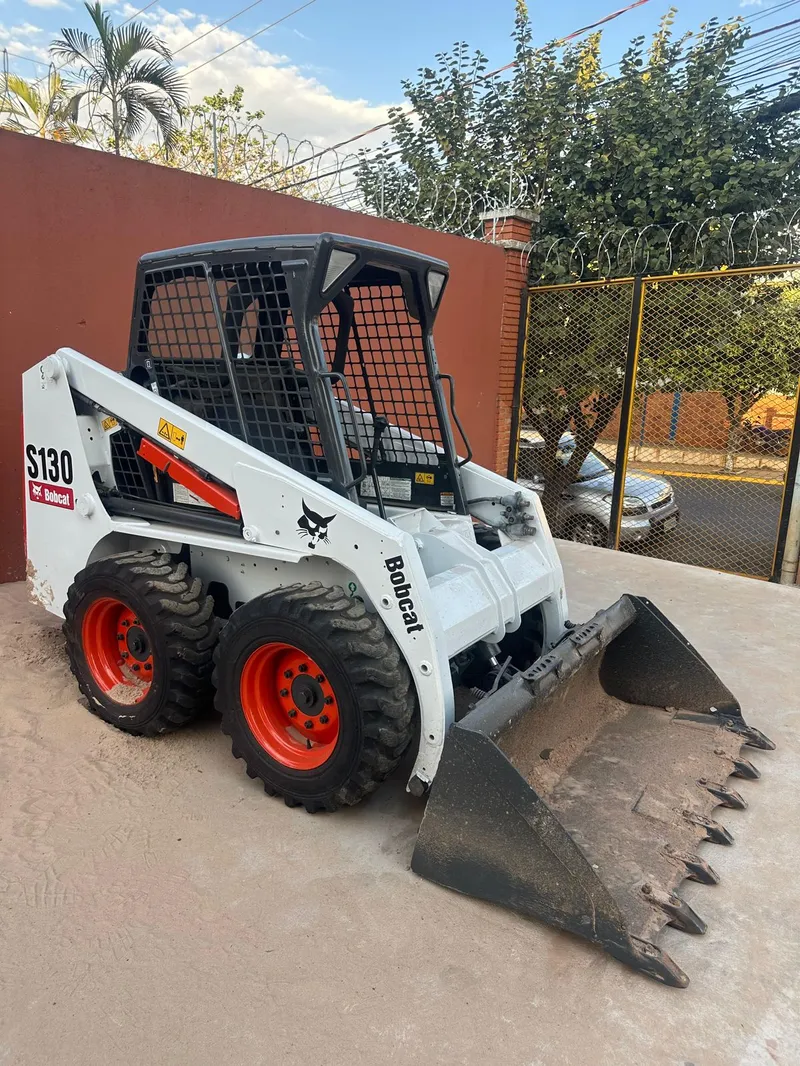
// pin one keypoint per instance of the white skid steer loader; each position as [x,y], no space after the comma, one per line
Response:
[268,506]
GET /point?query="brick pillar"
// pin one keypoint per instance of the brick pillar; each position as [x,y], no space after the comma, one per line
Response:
[511,229]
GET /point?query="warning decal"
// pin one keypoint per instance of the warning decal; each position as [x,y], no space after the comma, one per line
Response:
[173,434]
[423,478]
[109,423]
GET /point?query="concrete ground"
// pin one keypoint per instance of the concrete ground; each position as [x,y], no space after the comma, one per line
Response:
[157,907]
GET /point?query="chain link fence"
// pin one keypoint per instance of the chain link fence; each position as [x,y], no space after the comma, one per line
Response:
[657,414]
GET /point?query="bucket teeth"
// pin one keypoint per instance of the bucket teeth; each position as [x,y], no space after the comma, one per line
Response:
[680,914]
[715,833]
[728,797]
[696,869]
[744,768]
[749,734]
[655,963]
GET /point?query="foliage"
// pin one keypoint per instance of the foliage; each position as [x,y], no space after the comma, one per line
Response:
[738,336]
[575,369]
[662,143]
[660,146]
[735,335]
[119,75]
[42,112]
[221,138]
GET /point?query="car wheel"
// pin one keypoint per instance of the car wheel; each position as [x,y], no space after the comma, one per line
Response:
[583,529]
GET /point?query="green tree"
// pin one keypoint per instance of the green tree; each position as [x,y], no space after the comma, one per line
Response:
[660,146]
[221,138]
[574,375]
[734,335]
[120,76]
[42,112]
[738,336]
[664,142]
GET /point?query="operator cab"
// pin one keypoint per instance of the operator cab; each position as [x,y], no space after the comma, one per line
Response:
[317,350]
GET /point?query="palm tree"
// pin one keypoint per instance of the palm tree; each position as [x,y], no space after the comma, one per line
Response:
[44,112]
[113,70]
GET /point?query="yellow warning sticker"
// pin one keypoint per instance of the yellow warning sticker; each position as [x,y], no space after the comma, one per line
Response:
[171,433]
[422,478]
[109,423]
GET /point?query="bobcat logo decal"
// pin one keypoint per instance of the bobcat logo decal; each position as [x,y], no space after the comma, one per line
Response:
[313,526]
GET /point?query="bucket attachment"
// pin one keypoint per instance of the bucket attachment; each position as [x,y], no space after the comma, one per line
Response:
[579,792]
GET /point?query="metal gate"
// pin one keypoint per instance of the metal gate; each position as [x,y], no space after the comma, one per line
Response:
[657,414]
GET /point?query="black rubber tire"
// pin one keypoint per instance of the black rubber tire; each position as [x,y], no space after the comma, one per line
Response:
[373,687]
[599,530]
[179,620]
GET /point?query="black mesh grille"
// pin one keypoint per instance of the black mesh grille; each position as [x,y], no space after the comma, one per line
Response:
[263,395]
[125,465]
[385,368]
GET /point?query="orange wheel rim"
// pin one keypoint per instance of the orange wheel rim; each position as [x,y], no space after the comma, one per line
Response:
[118,650]
[290,706]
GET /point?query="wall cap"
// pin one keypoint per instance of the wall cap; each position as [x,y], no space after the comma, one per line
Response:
[511,246]
[501,214]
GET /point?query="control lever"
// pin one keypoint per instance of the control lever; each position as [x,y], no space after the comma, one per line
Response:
[379,427]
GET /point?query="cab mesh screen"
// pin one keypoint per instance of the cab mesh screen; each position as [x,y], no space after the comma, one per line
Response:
[385,367]
[261,394]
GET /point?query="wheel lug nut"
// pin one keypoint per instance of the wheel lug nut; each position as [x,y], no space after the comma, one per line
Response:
[147,666]
[288,673]
[308,723]
[284,692]
[120,636]
[124,655]
[136,666]
[324,719]
[320,678]
[293,713]
[303,668]
[329,700]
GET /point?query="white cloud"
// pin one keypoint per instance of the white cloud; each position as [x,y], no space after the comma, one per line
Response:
[48,3]
[751,3]
[21,39]
[25,29]
[294,102]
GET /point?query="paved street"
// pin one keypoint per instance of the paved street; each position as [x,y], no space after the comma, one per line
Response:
[725,525]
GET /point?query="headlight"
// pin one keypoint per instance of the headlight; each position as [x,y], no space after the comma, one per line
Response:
[631,505]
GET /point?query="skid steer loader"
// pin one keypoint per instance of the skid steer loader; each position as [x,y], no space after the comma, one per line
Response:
[267,507]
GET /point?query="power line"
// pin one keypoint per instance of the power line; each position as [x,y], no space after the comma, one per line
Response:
[483,77]
[217,27]
[141,11]
[264,29]
[575,33]
[755,65]
[36,62]
[758,15]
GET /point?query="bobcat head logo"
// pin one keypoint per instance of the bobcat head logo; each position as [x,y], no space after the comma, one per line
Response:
[313,526]
[36,490]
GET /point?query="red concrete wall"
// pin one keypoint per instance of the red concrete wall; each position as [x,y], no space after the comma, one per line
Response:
[76,220]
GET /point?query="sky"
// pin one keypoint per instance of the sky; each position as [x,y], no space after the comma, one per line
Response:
[332,69]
